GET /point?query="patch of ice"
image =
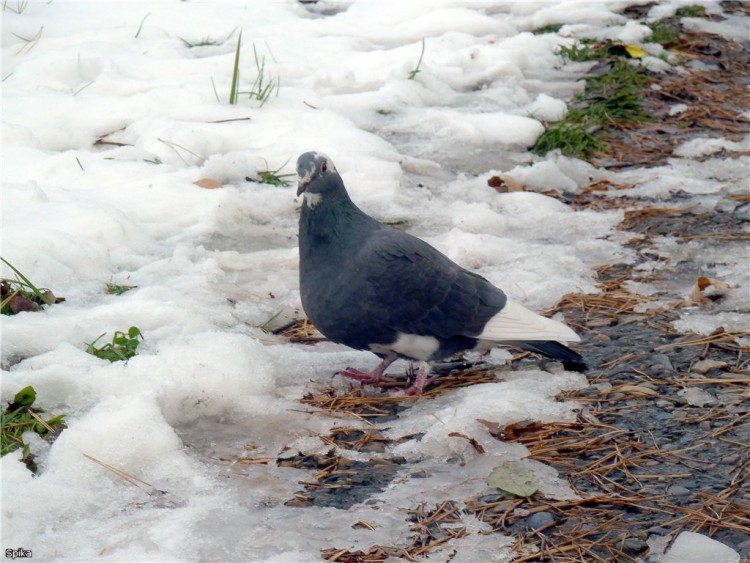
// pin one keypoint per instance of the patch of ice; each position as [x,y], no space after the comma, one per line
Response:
[732,26]
[704,146]
[690,547]
[706,323]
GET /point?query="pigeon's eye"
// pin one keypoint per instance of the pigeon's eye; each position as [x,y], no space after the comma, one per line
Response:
[324,167]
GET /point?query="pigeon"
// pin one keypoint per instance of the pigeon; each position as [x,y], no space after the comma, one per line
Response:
[372,287]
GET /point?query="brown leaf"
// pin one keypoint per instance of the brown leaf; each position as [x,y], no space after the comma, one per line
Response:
[19,303]
[207,183]
[476,445]
[512,431]
[505,183]
[707,290]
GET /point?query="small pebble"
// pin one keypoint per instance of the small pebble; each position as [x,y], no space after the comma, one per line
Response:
[704,366]
[730,459]
[540,519]
[678,491]
[634,545]
[705,425]
[663,361]
[373,447]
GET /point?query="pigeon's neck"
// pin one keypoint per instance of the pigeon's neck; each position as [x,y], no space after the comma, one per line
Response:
[331,222]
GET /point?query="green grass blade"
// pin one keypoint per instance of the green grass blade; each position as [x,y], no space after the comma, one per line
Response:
[36,291]
[236,72]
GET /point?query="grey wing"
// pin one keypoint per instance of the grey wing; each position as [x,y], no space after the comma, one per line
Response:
[419,290]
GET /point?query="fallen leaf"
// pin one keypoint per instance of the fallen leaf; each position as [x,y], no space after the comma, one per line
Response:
[20,303]
[635,52]
[513,477]
[207,183]
[707,290]
[476,445]
[505,183]
[512,431]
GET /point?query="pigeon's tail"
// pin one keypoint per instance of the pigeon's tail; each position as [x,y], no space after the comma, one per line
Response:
[571,360]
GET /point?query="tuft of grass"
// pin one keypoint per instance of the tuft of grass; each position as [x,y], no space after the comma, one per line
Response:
[610,98]
[573,139]
[691,12]
[21,295]
[122,348]
[664,32]
[551,28]
[413,73]
[580,51]
[272,177]
[19,418]
[118,289]
[616,95]
[264,84]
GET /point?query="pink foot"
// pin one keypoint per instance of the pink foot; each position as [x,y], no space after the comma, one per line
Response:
[421,381]
[367,378]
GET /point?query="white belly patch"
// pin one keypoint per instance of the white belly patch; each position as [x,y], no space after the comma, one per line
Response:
[410,345]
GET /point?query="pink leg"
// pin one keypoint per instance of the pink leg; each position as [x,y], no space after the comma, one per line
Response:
[420,381]
[375,376]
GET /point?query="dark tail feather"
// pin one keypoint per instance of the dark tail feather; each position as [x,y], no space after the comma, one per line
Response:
[572,361]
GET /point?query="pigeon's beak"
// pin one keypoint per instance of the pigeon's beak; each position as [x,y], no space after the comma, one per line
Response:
[303,182]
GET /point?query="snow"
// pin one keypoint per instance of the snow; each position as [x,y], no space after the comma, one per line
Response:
[105,130]
[690,547]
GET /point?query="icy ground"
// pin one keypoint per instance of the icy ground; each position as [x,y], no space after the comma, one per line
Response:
[110,116]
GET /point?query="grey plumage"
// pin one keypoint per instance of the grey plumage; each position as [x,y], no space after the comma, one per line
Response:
[375,288]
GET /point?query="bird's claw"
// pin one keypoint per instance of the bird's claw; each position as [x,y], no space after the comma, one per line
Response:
[415,389]
[366,378]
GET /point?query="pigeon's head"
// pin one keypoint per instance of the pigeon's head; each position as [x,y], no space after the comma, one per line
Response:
[316,173]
